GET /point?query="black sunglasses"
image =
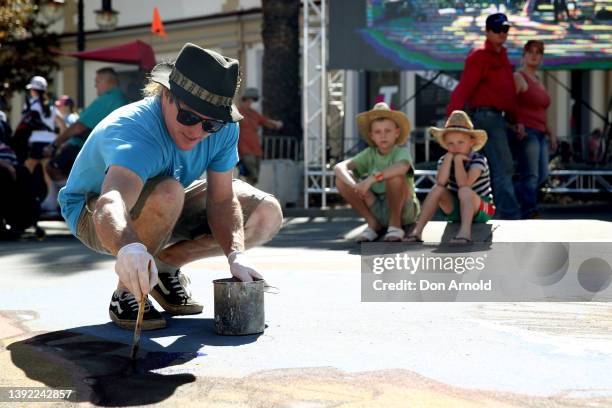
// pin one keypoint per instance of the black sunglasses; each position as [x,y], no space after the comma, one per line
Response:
[500,29]
[187,118]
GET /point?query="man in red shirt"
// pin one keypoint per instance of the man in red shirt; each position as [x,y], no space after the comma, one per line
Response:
[249,145]
[486,89]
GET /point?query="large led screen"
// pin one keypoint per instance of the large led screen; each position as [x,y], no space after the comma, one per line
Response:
[418,34]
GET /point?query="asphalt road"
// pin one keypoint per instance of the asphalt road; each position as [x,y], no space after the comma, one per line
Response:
[322,346]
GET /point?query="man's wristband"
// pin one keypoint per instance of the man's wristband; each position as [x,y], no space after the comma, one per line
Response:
[232,256]
[134,246]
[380,176]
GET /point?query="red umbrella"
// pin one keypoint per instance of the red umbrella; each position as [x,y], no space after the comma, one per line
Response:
[136,52]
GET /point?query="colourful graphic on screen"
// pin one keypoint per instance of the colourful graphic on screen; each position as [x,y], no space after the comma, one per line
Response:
[418,34]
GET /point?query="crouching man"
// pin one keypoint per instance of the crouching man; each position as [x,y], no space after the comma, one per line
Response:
[134,190]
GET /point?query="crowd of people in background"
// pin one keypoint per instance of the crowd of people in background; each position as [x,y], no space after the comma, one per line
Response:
[36,158]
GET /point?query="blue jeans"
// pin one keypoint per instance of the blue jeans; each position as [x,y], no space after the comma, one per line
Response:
[498,153]
[532,163]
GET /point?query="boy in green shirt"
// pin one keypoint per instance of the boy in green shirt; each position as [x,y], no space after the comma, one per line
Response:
[379,182]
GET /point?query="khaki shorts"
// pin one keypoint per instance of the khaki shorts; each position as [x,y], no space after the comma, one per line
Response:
[192,223]
[380,210]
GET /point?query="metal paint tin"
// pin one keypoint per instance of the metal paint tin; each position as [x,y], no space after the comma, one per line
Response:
[239,307]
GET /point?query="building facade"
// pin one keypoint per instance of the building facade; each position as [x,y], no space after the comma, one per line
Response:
[233,27]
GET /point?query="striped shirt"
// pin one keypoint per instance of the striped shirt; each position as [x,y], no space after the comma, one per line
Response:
[7,154]
[482,185]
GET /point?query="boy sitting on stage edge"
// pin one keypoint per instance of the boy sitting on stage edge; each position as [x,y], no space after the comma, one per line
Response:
[385,197]
[463,186]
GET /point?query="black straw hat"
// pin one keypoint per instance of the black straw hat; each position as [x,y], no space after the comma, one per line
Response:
[204,79]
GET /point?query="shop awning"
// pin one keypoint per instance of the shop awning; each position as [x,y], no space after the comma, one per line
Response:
[136,52]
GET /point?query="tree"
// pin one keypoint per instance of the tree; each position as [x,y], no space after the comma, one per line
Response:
[25,45]
[281,59]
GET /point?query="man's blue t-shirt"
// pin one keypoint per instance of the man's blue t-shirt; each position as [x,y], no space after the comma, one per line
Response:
[135,137]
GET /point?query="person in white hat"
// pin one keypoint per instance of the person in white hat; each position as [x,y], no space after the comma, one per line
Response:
[42,118]
[463,185]
[379,181]
[44,123]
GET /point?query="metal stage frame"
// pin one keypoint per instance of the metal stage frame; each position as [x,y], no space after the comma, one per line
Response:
[314,104]
[559,181]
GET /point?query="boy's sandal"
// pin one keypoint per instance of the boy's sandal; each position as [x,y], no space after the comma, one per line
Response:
[414,239]
[394,234]
[367,235]
[461,240]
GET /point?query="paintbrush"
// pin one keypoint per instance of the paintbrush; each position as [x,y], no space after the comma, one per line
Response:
[138,327]
[136,340]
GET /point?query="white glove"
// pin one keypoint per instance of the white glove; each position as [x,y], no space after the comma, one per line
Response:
[240,267]
[136,269]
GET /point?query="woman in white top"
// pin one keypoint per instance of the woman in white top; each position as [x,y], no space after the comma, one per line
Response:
[38,101]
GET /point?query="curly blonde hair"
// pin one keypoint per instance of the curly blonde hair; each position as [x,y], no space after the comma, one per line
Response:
[152,88]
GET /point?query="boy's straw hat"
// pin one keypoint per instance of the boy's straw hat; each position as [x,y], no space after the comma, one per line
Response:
[459,121]
[379,111]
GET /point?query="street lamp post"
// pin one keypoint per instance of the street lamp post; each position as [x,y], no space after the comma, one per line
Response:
[80,62]
[106,17]
[52,10]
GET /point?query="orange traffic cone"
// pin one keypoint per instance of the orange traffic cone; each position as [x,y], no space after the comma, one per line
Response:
[157,27]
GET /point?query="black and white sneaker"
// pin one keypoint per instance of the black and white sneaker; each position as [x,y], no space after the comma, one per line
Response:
[123,310]
[173,294]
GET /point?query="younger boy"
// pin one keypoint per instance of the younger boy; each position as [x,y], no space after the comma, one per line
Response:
[385,195]
[463,186]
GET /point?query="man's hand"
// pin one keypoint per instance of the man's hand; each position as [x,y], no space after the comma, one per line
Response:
[520,131]
[448,156]
[136,269]
[240,267]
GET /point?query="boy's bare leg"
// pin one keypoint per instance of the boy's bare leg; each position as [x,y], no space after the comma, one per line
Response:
[438,197]
[397,193]
[362,206]
[469,202]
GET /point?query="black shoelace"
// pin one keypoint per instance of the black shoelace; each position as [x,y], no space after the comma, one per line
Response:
[133,304]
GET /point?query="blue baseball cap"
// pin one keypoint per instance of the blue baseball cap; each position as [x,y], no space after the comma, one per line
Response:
[497,20]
